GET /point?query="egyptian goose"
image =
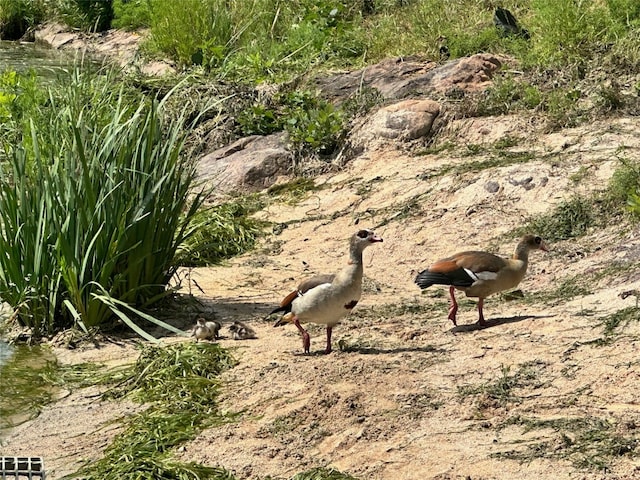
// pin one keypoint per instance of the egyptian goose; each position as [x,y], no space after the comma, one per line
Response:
[204,330]
[326,299]
[480,274]
[241,331]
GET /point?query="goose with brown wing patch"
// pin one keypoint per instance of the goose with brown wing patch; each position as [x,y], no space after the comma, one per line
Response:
[480,274]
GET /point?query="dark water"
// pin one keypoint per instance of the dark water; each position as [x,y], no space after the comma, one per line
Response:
[23,57]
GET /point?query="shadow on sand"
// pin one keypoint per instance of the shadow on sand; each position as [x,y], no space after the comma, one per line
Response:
[494,322]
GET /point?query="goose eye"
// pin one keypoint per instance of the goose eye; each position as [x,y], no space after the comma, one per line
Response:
[538,240]
[363,234]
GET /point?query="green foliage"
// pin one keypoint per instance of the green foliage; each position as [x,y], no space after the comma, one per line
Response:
[314,124]
[20,99]
[508,95]
[624,187]
[179,382]
[131,14]
[93,209]
[569,32]
[220,232]
[17,16]
[624,12]
[88,15]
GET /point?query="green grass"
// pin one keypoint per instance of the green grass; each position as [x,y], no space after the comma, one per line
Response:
[587,442]
[612,325]
[17,16]
[220,232]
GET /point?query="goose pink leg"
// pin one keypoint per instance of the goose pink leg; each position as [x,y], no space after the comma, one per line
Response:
[453,309]
[480,315]
[328,349]
[306,340]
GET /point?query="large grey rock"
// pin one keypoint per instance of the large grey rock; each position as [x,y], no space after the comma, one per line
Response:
[249,164]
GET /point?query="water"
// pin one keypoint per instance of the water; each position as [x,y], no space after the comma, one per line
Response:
[5,353]
[23,57]
[23,385]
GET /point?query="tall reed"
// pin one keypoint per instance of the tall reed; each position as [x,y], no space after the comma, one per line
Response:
[93,206]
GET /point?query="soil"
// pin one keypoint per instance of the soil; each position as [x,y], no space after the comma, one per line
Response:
[405,394]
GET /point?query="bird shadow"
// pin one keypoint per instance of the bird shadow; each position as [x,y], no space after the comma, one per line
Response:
[494,322]
[382,351]
[371,351]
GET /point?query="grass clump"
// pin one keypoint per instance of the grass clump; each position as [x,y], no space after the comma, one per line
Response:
[179,384]
[568,289]
[220,232]
[569,219]
[588,443]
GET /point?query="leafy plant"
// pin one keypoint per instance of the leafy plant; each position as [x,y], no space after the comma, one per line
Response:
[313,124]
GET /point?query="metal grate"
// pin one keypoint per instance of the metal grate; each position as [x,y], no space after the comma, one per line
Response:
[21,468]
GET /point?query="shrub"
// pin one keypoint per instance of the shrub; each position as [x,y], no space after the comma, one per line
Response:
[131,14]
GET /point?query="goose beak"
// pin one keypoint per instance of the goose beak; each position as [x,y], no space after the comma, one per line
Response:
[375,238]
[543,246]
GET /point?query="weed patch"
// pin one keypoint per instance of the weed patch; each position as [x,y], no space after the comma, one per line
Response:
[501,391]
[613,324]
[587,442]
[179,383]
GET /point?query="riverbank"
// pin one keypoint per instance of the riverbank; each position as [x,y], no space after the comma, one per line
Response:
[402,384]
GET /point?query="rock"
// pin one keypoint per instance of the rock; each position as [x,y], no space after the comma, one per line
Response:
[471,74]
[405,121]
[408,77]
[492,186]
[249,164]
[117,45]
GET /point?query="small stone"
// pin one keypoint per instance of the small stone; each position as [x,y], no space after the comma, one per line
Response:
[492,187]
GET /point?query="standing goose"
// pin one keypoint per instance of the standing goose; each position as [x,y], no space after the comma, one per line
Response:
[326,299]
[480,274]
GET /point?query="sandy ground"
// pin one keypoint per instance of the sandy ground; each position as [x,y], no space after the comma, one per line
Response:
[405,395]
